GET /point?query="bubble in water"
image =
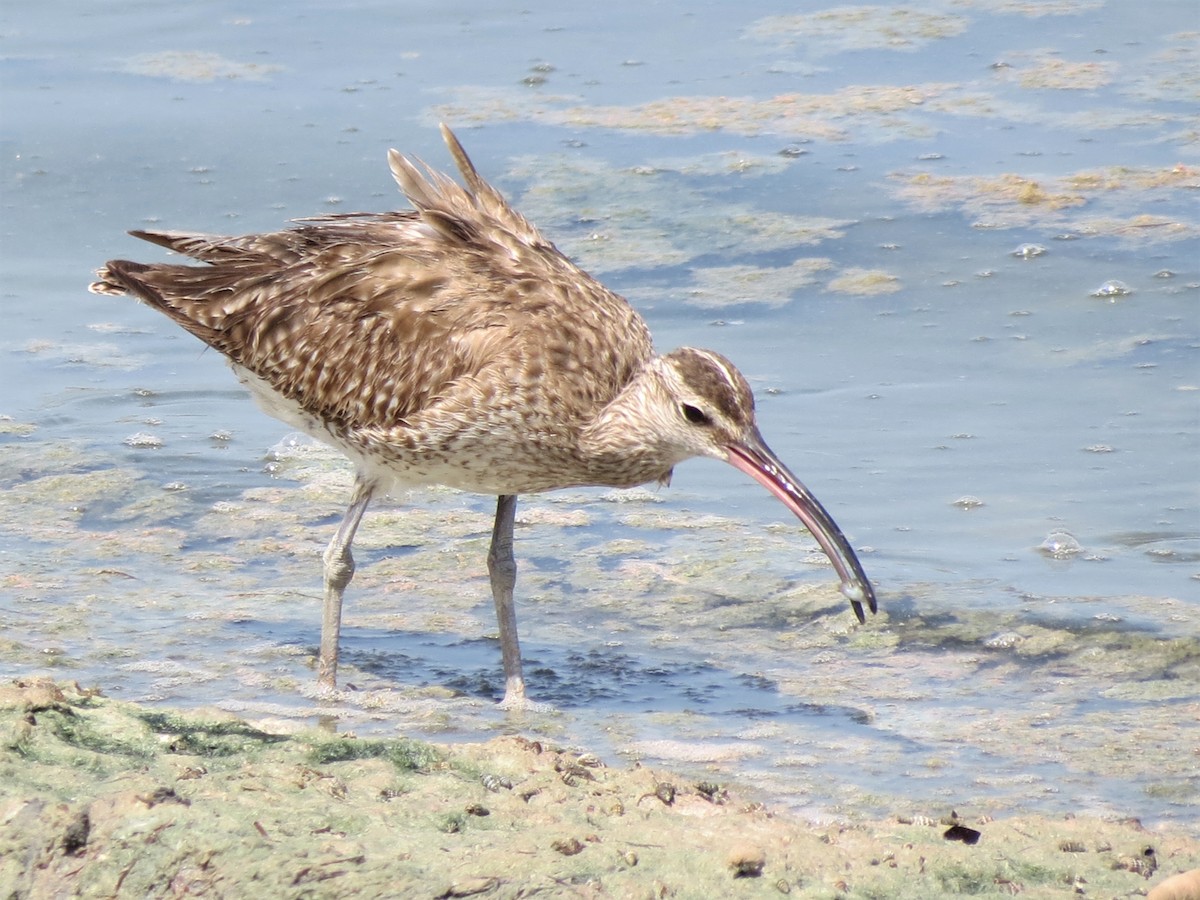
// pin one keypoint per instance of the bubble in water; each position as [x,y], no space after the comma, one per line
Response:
[1060,545]
[1029,251]
[290,446]
[143,441]
[1112,289]
[968,502]
[1006,640]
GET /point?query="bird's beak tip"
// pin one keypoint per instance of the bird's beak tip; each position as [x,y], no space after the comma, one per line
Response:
[753,457]
[858,596]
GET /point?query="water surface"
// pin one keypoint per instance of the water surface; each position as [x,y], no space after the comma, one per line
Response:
[903,223]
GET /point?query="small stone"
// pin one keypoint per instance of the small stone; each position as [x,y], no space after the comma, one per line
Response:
[747,860]
[665,791]
[75,837]
[569,847]
[469,888]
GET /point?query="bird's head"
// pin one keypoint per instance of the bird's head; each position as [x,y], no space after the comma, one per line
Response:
[704,407]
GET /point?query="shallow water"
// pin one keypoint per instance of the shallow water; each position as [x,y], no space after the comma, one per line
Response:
[849,201]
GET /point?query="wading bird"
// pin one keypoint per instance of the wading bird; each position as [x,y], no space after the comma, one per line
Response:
[453,344]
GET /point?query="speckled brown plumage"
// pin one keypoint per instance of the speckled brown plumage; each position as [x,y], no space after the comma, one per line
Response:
[454,344]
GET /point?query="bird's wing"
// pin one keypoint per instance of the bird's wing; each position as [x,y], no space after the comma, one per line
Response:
[369,318]
[351,331]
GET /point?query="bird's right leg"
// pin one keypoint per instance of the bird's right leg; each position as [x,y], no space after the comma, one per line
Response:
[339,569]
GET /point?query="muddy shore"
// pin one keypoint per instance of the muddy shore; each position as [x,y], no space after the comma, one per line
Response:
[103,798]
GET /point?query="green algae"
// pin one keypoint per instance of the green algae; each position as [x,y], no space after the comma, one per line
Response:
[10,426]
[196,66]
[611,219]
[1035,9]
[1051,73]
[865,282]
[405,755]
[1069,201]
[219,735]
[852,28]
[886,111]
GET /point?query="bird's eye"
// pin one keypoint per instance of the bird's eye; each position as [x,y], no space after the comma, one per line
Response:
[695,415]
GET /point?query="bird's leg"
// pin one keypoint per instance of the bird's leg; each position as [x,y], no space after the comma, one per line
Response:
[339,569]
[503,570]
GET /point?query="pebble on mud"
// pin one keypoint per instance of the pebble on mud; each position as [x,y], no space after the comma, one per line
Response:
[569,847]
[469,888]
[747,860]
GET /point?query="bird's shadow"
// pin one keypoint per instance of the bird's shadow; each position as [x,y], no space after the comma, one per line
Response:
[601,679]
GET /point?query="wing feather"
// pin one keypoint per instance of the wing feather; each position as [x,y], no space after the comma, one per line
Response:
[370,320]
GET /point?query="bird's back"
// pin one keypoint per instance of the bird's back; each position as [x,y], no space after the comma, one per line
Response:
[415,334]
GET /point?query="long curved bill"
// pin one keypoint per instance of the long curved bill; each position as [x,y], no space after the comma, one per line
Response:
[755,458]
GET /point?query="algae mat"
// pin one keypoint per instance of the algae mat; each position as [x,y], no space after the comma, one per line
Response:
[101,798]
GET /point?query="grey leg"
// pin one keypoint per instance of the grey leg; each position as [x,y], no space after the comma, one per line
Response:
[503,570]
[339,569]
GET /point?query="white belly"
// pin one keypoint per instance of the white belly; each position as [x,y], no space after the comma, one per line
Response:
[490,463]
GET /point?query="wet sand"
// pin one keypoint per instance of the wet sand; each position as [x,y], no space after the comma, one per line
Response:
[104,798]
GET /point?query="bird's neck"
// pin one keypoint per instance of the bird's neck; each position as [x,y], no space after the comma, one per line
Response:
[618,444]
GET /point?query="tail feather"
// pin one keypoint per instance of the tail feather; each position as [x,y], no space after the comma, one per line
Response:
[118,277]
[216,248]
[197,246]
[105,284]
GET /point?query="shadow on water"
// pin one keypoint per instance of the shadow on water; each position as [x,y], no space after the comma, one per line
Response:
[600,680]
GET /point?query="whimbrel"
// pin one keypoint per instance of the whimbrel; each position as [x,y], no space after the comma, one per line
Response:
[453,344]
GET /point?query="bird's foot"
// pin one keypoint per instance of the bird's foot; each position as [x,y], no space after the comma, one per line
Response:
[515,699]
[524,704]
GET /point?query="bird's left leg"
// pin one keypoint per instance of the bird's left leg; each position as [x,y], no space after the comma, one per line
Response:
[502,568]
